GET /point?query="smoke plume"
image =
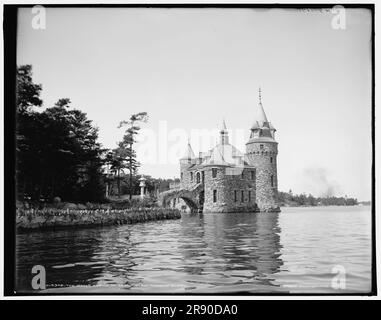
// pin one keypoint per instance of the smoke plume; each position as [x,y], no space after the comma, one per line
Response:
[316,181]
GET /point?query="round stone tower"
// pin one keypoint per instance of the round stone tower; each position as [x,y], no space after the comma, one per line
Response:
[261,152]
[185,163]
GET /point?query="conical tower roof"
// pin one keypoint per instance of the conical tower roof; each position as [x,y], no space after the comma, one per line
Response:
[260,115]
[261,130]
[224,127]
[189,154]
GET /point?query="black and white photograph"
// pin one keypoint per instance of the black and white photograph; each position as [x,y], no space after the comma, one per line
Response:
[193,150]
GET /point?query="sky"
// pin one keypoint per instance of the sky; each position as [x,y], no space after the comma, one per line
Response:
[191,68]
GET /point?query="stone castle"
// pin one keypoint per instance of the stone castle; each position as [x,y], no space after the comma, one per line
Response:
[225,180]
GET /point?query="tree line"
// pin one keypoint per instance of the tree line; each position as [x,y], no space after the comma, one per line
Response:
[58,153]
[288,198]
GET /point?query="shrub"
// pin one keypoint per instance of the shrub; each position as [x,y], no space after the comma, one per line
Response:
[56,200]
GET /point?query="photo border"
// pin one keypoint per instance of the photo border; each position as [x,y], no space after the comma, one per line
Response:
[10,67]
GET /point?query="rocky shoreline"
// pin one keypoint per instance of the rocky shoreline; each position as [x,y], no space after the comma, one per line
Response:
[52,219]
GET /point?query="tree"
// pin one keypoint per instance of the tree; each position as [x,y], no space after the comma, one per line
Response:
[27,97]
[128,141]
[117,159]
[27,92]
[57,151]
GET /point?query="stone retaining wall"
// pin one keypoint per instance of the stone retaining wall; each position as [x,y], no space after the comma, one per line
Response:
[27,220]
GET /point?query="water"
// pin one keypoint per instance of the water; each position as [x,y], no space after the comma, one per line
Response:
[295,251]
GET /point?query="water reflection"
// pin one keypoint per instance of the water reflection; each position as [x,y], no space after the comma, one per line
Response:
[232,252]
[242,246]
[64,255]
[211,253]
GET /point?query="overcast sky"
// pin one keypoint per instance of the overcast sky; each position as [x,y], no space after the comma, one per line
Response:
[190,68]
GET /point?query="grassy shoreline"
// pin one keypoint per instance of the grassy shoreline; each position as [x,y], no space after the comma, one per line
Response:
[54,219]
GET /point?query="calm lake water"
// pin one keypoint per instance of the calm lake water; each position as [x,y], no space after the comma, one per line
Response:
[295,251]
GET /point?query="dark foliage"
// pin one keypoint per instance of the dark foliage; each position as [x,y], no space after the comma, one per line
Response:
[57,150]
[290,199]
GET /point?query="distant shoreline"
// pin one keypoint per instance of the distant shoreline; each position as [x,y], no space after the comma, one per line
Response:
[319,206]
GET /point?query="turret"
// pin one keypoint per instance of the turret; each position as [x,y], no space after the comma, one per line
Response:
[224,137]
[261,152]
[186,161]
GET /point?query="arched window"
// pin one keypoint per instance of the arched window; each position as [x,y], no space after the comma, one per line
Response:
[191,176]
[198,177]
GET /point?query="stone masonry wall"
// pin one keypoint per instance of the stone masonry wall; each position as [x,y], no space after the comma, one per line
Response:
[225,186]
[186,182]
[267,195]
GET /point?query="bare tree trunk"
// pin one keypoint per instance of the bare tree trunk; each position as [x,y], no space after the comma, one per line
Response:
[130,171]
[118,183]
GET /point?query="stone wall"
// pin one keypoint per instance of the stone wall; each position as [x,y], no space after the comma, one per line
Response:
[265,161]
[185,176]
[225,185]
[52,219]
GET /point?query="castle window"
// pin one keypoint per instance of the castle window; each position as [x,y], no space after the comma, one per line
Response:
[181,175]
[272,181]
[271,159]
[191,174]
[203,176]
[235,195]
[249,196]
[243,174]
[261,146]
[214,195]
[198,178]
[252,175]
[214,172]
[242,196]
